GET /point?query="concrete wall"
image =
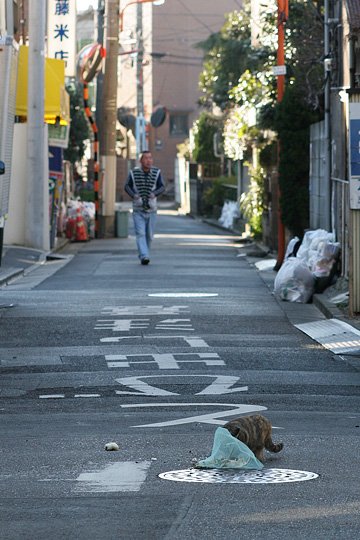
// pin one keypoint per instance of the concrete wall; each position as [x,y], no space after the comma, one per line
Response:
[14,232]
[15,224]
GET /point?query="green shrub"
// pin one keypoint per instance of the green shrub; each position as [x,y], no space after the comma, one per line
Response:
[252,202]
[204,130]
[213,197]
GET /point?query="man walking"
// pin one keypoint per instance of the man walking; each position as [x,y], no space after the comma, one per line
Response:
[144,184]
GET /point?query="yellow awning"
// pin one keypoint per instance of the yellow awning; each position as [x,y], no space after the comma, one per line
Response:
[56,98]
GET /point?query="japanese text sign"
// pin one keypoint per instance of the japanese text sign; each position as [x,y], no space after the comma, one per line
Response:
[61,32]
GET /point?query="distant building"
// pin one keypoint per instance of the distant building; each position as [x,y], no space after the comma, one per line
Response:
[171,67]
[170,72]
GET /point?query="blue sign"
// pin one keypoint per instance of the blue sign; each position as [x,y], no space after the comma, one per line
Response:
[355,147]
[55,159]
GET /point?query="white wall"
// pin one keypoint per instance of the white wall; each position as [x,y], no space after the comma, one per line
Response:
[14,232]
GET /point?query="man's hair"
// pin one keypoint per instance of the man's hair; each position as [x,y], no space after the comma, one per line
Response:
[144,154]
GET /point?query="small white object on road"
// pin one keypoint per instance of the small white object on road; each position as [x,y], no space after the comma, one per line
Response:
[111,446]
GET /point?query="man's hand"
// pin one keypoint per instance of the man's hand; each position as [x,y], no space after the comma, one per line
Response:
[151,196]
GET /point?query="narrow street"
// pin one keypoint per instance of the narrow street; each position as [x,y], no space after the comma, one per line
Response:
[100,349]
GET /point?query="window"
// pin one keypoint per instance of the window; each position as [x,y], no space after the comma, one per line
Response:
[179,125]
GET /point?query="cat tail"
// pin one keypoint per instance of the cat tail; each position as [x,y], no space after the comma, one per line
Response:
[273,447]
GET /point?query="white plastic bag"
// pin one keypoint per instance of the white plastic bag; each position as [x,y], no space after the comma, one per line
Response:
[230,211]
[291,246]
[229,453]
[294,282]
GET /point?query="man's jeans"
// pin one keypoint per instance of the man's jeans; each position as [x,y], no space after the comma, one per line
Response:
[144,223]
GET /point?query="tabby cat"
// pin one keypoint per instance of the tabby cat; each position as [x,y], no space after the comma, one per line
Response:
[255,432]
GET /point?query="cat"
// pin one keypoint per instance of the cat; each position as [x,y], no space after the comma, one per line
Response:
[255,432]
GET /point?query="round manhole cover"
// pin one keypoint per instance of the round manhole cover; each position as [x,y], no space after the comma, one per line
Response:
[216,476]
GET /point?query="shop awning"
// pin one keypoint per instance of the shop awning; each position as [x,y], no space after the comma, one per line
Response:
[57,103]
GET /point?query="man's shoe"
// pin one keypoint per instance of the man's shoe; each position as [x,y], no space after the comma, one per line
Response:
[145,260]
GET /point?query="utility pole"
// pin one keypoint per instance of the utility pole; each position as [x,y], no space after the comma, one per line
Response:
[100,77]
[37,200]
[109,110]
[140,118]
[283,13]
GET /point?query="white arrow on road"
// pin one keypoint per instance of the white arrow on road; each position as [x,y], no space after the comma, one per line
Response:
[221,385]
[211,418]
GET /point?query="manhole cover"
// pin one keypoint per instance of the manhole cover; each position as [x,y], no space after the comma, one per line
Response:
[216,476]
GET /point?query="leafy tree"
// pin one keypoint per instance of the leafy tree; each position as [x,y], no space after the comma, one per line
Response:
[252,202]
[204,130]
[238,78]
[79,128]
[228,54]
[292,121]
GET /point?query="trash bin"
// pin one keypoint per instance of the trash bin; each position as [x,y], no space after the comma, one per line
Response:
[121,223]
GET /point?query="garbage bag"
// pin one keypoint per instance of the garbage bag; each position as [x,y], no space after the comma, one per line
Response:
[293,247]
[229,212]
[294,282]
[229,453]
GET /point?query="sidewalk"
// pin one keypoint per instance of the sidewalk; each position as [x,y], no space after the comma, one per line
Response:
[16,260]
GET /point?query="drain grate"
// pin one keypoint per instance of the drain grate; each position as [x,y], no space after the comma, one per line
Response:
[216,476]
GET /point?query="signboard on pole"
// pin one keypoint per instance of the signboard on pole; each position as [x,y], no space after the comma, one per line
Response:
[354,155]
[61,33]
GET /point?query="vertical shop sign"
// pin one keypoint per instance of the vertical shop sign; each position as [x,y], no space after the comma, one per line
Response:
[61,32]
[354,155]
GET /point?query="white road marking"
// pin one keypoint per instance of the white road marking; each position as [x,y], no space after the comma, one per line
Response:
[121,476]
[87,395]
[126,325]
[221,385]
[211,418]
[183,295]
[137,384]
[175,324]
[122,325]
[51,396]
[192,341]
[145,310]
[164,361]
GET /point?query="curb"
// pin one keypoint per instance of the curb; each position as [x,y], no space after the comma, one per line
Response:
[330,310]
[9,274]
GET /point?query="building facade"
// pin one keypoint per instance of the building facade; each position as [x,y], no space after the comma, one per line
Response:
[171,67]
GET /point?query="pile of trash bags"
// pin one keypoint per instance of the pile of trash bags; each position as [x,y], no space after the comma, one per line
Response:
[309,266]
[80,220]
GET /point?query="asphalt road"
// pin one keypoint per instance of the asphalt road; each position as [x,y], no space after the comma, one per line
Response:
[94,351]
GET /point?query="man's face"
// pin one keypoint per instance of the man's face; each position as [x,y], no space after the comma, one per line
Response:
[146,161]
